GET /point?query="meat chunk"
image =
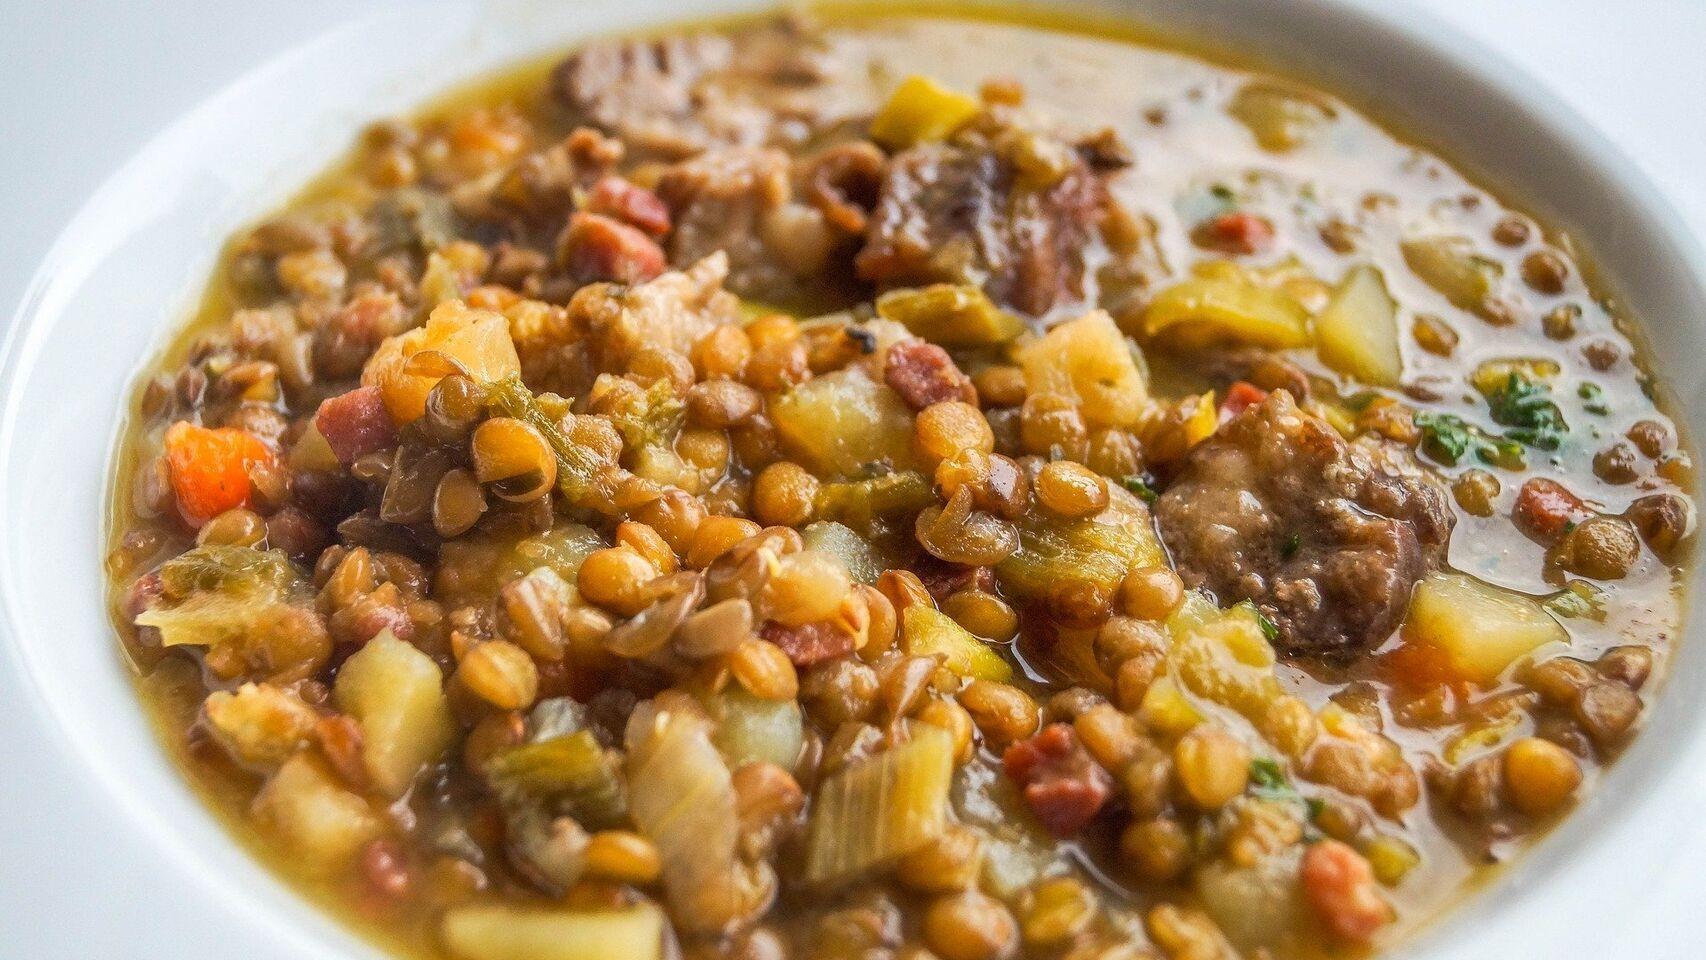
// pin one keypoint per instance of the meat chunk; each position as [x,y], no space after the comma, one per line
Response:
[595,247]
[1326,538]
[674,96]
[355,424]
[923,374]
[980,212]
[741,201]
[809,644]
[669,313]
[1061,783]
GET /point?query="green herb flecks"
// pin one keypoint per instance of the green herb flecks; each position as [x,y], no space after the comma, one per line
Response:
[1448,439]
[1139,487]
[1593,398]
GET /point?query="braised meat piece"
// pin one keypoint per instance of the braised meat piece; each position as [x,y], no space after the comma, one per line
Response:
[742,201]
[677,95]
[1326,538]
[1017,213]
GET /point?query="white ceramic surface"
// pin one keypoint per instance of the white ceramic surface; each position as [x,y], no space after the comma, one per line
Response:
[118,860]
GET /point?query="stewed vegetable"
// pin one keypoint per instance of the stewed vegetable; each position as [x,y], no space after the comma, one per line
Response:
[898,487]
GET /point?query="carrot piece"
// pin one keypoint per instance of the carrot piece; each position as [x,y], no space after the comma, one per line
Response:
[209,469]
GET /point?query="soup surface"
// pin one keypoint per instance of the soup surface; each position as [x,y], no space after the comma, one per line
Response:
[896,487]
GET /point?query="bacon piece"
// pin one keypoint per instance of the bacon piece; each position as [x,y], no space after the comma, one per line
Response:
[923,374]
[1061,783]
[356,424]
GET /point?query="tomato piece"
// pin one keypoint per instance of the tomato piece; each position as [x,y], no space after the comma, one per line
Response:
[1240,396]
[209,469]
[1236,233]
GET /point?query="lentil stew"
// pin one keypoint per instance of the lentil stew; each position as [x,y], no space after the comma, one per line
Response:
[823,487]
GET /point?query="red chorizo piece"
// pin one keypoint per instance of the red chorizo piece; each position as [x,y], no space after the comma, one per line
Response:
[355,424]
[810,643]
[594,247]
[923,374]
[1545,510]
[1062,785]
[630,203]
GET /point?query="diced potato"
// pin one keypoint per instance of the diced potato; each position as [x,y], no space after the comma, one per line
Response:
[1227,660]
[312,452]
[1357,333]
[477,339]
[259,725]
[396,693]
[1205,310]
[956,315]
[842,421]
[1479,629]
[1451,266]
[880,808]
[307,810]
[1255,905]
[1088,360]
[1280,117]
[1166,709]
[927,632]
[919,111]
[501,932]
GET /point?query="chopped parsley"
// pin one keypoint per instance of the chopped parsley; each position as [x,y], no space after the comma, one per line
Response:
[1593,396]
[1526,407]
[1269,630]
[1448,439]
[1139,486]
[1268,782]
[1291,545]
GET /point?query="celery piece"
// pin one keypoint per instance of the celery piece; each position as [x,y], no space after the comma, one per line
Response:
[218,593]
[858,502]
[1206,310]
[750,729]
[1450,265]
[576,467]
[505,932]
[880,808]
[855,551]
[956,315]
[1092,552]
[681,797]
[926,632]
[572,769]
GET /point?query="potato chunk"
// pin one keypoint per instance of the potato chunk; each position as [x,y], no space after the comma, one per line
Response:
[1088,360]
[844,420]
[1478,629]
[1357,333]
[313,816]
[396,693]
[479,340]
[491,932]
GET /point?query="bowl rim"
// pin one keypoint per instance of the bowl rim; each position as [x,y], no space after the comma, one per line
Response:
[1648,771]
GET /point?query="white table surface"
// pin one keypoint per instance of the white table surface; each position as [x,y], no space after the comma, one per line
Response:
[1634,68]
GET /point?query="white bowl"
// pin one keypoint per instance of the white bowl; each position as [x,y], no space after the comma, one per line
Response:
[105,852]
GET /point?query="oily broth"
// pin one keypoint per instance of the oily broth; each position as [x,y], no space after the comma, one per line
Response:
[1171,107]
